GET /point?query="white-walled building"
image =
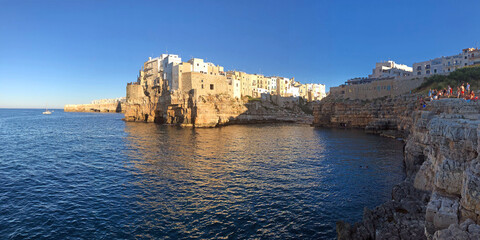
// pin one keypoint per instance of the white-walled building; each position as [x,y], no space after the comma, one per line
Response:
[315,91]
[199,65]
[167,64]
[272,84]
[390,69]
[444,65]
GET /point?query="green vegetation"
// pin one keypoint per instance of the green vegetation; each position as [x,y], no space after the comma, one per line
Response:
[470,74]
[251,99]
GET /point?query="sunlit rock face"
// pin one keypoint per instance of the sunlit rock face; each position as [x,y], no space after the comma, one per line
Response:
[389,117]
[441,160]
[445,134]
[191,109]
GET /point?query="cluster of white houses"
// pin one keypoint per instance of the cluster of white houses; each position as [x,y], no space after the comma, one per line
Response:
[390,79]
[169,73]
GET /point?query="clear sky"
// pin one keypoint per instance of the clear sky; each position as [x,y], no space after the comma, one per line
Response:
[67,51]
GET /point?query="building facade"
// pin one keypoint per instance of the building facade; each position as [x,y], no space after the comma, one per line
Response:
[445,65]
[169,73]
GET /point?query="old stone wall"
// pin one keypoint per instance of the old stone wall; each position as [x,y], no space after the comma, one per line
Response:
[376,89]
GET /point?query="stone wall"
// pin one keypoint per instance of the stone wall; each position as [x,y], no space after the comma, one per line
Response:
[377,89]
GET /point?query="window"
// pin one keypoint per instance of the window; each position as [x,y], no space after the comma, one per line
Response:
[427,67]
[202,86]
[419,68]
[428,71]
[211,86]
[419,73]
[434,70]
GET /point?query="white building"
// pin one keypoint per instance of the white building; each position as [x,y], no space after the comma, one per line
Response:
[199,65]
[443,65]
[317,91]
[390,69]
[272,84]
[293,88]
[167,65]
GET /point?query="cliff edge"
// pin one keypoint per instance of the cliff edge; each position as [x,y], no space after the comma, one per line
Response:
[440,198]
[212,110]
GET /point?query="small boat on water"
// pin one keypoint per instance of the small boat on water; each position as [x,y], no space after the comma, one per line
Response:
[47,112]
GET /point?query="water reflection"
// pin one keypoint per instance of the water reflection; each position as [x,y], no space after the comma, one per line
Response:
[257,181]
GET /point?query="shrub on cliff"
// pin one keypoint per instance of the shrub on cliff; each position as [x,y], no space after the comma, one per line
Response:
[470,74]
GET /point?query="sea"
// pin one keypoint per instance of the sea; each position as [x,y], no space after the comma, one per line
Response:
[94,176]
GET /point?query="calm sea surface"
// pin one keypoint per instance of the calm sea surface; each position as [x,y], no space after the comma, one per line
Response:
[93,176]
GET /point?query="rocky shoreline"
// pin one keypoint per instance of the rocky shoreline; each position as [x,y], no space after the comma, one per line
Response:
[189,109]
[440,197]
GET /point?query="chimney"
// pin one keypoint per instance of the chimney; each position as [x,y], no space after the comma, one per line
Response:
[149,58]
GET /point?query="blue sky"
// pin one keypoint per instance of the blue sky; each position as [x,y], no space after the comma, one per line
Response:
[60,52]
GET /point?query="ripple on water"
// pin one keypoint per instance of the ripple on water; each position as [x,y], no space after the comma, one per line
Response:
[82,175]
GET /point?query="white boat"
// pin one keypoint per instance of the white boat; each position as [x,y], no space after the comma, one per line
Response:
[47,112]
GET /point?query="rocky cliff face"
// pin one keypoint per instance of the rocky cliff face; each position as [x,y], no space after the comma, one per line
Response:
[444,148]
[190,109]
[440,199]
[388,116]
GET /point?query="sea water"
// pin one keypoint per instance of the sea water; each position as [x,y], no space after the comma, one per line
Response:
[93,176]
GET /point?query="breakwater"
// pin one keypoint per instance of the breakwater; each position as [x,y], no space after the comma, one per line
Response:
[104,108]
[440,196]
[116,105]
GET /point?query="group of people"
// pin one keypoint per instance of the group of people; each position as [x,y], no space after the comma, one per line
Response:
[463,91]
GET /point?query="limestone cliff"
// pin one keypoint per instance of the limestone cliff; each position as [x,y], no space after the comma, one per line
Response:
[445,137]
[387,116]
[441,196]
[191,109]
